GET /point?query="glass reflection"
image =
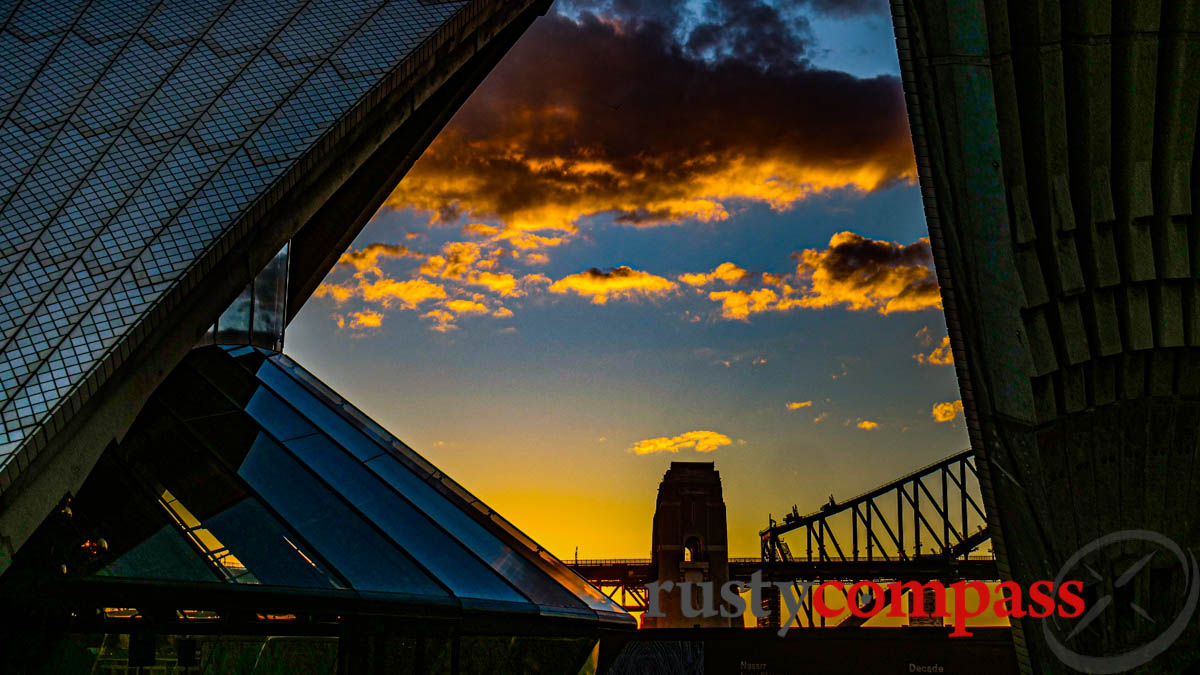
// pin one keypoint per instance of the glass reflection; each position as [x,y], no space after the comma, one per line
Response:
[256,317]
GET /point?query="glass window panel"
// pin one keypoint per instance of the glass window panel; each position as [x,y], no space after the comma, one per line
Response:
[190,397]
[165,555]
[277,417]
[229,436]
[224,373]
[324,418]
[366,424]
[577,584]
[233,326]
[422,539]
[266,548]
[340,535]
[502,558]
[270,300]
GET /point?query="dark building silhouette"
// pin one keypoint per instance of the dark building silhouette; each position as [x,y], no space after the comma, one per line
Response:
[690,543]
[176,177]
[1056,148]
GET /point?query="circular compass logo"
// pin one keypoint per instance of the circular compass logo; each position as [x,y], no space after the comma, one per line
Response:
[1172,626]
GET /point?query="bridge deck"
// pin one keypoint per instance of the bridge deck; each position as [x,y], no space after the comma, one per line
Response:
[639,571]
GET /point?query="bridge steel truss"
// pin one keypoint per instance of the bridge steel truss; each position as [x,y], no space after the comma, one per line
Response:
[878,518]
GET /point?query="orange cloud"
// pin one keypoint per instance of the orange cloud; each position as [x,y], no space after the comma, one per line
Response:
[726,272]
[620,282]
[366,260]
[701,441]
[465,307]
[945,412]
[443,321]
[865,274]
[408,294]
[821,418]
[867,425]
[340,294]
[367,319]
[796,405]
[457,258]
[506,284]
[854,271]
[940,356]
[741,304]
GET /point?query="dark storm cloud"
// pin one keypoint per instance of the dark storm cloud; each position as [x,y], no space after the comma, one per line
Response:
[603,115]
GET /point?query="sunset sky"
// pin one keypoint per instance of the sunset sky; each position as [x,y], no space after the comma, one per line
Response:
[656,233]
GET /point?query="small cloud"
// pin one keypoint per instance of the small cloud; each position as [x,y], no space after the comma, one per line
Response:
[502,313]
[701,441]
[726,272]
[940,356]
[924,336]
[480,229]
[465,307]
[507,331]
[602,439]
[440,444]
[759,361]
[867,425]
[821,418]
[945,412]
[796,405]
[741,441]
[366,319]
[619,282]
[443,321]
[408,293]
[844,372]
[740,305]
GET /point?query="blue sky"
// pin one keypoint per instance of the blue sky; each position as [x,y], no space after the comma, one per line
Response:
[488,345]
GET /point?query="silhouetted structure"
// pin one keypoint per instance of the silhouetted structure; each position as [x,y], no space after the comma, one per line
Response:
[176,177]
[690,542]
[1055,143]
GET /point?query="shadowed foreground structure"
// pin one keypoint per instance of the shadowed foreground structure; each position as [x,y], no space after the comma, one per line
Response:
[689,543]
[176,177]
[1055,144]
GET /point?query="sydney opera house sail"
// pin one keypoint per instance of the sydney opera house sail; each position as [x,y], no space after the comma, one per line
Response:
[1056,146]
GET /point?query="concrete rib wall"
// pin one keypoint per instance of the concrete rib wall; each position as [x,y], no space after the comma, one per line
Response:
[1055,144]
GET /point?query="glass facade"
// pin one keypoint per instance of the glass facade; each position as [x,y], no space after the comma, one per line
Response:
[257,474]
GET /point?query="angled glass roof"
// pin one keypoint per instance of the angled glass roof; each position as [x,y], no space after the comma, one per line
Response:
[258,473]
